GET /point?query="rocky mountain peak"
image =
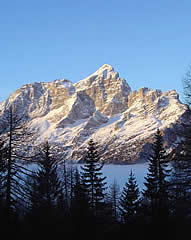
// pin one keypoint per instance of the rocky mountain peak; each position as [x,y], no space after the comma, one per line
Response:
[107,89]
[103,73]
[104,70]
[104,67]
[101,106]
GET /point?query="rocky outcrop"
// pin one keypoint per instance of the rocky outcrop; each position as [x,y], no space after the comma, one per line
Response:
[82,107]
[108,91]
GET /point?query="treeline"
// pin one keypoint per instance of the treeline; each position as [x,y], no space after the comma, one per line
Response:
[39,192]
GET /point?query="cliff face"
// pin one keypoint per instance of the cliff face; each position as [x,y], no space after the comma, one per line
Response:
[108,91]
[101,106]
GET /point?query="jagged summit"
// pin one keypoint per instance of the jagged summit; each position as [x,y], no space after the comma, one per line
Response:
[104,72]
[103,69]
[108,91]
[101,106]
[108,66]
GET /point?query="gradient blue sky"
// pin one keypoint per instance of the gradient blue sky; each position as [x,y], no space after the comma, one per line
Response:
[148,42]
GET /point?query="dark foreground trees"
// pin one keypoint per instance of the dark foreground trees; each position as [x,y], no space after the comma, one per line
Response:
[93,181]
[46,188]
[181,177]
[15,139]
[130,202]
[113,197]
[157,184]
[75,200]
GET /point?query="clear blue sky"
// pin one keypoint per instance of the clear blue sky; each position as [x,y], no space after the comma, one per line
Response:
[148,42]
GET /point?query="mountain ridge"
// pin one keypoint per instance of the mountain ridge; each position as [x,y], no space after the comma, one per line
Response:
[101,106]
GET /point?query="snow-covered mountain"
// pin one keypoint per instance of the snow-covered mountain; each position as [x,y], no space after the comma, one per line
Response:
[103,107]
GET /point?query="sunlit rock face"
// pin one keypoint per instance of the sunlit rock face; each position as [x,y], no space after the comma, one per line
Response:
[108,91]
[103,107]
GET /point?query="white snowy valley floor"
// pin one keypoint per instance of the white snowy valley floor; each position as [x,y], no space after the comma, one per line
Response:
[120,173]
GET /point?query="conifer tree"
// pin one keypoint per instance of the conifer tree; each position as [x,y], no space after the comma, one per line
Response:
[156,181]
[79,204]
[17,138]
[113,198]
[184,157]
[92,177]
[181,175]
[46,190]
[129,201]
[65,183]
[3,161]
